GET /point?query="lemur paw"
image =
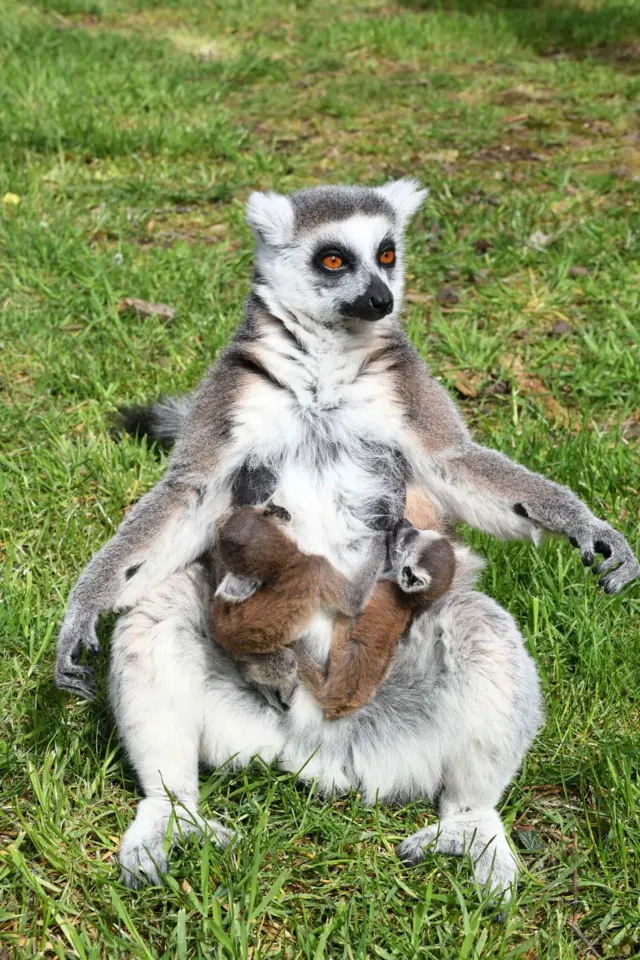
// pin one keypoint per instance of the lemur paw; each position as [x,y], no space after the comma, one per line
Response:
[275,674]
[477,834]
[142,855]
[236,589]
[619,566]
[70,674]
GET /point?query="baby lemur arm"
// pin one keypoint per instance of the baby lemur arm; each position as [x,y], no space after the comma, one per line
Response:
[362,649]
[361,652]
[492,493]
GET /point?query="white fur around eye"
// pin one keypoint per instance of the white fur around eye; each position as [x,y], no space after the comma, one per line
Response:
[289,281]
[405,196]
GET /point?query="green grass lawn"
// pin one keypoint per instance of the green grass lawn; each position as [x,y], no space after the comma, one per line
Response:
[131,132]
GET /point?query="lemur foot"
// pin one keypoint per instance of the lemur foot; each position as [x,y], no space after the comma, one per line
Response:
[480,834]
[275,673]
[142,855]
[236,589]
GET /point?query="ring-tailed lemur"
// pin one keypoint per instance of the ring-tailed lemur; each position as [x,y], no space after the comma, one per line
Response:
[321,397]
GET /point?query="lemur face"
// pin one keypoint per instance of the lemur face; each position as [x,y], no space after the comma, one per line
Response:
[333,256]
[417,557]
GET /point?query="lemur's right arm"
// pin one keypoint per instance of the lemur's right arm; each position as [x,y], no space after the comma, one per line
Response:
[173,524]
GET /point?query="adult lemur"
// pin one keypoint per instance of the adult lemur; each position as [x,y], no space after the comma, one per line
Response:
[321,398]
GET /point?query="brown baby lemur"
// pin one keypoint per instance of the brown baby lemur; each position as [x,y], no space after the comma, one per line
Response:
[294,587]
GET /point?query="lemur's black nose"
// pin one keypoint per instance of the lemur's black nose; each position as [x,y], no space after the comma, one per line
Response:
[374,304]
[382,303]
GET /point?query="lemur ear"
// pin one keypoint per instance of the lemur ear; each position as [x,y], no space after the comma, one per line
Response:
[405,196]
[270,216]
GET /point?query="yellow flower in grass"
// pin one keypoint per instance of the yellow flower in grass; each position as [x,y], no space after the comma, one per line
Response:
[11,199]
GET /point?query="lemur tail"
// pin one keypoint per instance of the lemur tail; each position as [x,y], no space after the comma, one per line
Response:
[162,421]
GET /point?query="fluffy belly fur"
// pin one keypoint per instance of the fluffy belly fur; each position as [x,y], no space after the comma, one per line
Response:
[434,699]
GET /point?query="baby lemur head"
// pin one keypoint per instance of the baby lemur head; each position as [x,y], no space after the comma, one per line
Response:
[422,561]
[332,257]
[252,543]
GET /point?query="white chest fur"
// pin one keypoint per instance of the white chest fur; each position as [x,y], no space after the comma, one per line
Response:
[328,429]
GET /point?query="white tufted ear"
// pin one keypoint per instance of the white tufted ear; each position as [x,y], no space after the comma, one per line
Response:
[270,216]
[405,196]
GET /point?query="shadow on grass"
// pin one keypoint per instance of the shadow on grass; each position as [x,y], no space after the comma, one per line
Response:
[609,31]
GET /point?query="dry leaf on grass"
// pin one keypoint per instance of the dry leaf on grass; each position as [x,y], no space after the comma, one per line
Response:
[534,387]
[448,297]
[142,309]
[631,428]
[560,329]
[499,387]
[464,386]
[412,296]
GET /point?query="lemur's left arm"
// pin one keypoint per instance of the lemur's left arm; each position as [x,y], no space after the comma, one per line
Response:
[492,493]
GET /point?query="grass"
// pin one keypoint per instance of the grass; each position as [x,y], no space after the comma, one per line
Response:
[132,133]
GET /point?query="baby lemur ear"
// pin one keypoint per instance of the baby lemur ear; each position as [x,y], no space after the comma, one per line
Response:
[270,216]
[405,196]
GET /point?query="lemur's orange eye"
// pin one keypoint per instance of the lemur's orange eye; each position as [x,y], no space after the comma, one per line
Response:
[387,257]
[332,261]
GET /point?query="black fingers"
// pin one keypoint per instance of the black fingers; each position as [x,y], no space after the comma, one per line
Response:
[614,581]
[601,546]
[75,678]
[619,566]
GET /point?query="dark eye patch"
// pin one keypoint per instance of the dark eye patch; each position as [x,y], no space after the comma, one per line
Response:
[347,257]
[387,244]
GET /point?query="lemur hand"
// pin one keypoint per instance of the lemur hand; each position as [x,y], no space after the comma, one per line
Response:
[78,633]
[600,537]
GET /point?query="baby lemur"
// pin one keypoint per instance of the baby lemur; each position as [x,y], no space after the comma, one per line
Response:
[295,586]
